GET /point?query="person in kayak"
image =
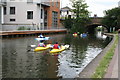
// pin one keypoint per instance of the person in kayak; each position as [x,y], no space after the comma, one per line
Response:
[41,44]
[41,36]
[56,46]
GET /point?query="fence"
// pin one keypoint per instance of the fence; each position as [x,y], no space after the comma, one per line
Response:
[26,27]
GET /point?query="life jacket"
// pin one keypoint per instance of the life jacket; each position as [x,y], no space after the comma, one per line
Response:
[56,46]
[41,44]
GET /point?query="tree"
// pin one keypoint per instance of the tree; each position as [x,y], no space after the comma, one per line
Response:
[81,15]
[112,19]
[68,23]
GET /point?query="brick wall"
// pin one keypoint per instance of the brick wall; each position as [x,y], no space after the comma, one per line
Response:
[50,9]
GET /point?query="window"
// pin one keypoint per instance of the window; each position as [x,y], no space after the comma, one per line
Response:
[54,19]
[67,12]
[29,1]
[41,13]
[0,16]
[5,11]
[52,2]
[3,1]
[57,4]
[12,10]
[12,0]
[29,14]
[45,19]
[12,20]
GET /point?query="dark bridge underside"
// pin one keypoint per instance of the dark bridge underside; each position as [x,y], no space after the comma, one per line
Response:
[91,28]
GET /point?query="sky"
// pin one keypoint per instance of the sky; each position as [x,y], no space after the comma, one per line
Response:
[95,6]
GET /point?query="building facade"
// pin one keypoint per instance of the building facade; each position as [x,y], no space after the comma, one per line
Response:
[119,4]
[1,15]
[53,13]
[31,14]
[65,12]
[1,12]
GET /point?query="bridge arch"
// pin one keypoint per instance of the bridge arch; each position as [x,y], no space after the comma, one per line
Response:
[95,22]
[91,28]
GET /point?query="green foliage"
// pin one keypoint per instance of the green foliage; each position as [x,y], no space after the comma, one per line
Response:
[115,32]
[112,18]
[78,25]
[80,8]
[102,68]
[23,28]
[99,28]
[81,16]
[68,23]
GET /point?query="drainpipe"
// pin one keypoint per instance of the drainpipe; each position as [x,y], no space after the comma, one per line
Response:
[40,15]
[43,19]
[2,18]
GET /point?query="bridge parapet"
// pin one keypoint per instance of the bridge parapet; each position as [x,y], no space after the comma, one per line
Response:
[96,20]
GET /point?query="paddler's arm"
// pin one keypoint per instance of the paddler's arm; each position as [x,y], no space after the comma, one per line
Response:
[59,47]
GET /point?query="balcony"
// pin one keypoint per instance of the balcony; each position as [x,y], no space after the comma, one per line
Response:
[42,2]
[3,2]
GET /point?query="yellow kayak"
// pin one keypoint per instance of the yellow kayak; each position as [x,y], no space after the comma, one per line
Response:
[42,48]
[58,50]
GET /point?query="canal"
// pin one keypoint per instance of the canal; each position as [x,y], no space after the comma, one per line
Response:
[19,61]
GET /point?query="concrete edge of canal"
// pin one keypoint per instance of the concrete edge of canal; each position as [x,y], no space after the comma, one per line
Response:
[91,67]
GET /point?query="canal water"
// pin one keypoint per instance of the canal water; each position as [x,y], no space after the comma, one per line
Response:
[19,61]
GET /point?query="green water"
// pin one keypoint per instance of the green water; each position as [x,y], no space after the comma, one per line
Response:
[19,61]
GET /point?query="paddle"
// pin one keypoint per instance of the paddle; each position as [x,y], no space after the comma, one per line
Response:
[39,39]
[67,46]
[32,46]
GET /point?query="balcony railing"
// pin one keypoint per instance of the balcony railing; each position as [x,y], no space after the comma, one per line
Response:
[3,2]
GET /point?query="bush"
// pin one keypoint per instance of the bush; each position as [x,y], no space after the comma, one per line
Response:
[23,28]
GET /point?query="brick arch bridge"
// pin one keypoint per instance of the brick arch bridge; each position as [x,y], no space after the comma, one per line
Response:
[95,22]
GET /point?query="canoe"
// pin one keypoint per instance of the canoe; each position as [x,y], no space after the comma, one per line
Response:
[83,35]
[45,38]
[42,48]
[74,34]
[59,50]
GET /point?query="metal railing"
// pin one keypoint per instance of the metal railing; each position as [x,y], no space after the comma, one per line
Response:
[26,27]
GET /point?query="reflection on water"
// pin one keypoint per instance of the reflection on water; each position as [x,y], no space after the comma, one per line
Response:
[18,62]
[100,35]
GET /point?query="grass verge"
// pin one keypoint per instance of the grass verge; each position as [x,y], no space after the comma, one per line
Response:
[104,63]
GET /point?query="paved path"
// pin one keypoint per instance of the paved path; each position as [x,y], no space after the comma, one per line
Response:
[113,71]
[119,57]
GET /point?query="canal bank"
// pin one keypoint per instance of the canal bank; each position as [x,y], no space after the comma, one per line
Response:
[91,67]
[30,32]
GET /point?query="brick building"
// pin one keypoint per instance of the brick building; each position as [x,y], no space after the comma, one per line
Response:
[31,14]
